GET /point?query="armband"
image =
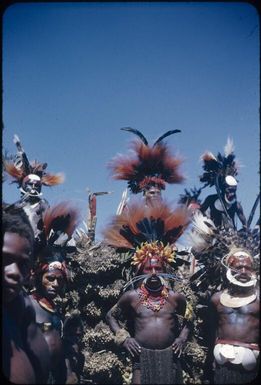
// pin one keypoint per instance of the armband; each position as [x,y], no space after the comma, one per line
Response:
[121,336]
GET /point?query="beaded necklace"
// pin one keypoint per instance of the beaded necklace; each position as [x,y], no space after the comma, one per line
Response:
[151,302]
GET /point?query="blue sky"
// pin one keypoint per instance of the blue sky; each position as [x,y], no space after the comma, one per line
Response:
[75,73]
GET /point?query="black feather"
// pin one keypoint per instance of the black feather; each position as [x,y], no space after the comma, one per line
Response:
[134,239]
[136,132]
[170,132]
[146,229]
[22,156]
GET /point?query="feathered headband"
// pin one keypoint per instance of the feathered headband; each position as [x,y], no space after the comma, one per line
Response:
[149,165]
[213,247]
[149,231]
[21,168]
[217,168]
[59,223]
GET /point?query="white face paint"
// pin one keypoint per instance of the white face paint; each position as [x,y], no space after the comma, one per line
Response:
[232,279]
[230,189]
[32,185]
[242,254]
[230,180]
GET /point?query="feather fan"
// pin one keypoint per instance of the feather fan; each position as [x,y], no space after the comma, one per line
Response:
[140,224]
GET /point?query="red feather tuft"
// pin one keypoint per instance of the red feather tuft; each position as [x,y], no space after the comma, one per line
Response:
[145,163]
[63,217]
[14,172]
[52,180]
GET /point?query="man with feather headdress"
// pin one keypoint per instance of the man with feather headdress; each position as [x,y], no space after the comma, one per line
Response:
[155,339]
[228,268]
[220,172]
[236,312]
[148,168]
[30,177]
[50,278]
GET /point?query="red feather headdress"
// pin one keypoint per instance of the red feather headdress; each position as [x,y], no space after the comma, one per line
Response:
[148,165]
[21,167]
[59,223]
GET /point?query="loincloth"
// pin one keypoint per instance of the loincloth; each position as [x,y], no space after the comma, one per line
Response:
[158,367]
[236,352]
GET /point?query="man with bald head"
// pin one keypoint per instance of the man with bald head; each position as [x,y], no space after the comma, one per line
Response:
[235,311]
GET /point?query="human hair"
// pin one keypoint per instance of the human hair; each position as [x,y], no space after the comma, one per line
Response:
[15,220]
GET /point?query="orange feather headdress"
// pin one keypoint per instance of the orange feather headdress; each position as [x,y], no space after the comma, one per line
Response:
[21,167]
[148,231]
[59,223]
[148,165]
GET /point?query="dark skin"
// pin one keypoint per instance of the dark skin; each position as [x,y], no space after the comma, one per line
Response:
[27,359]
[152,329]
[241,323]
[74,357]
[232,323]
[152,194]
[216,215]
[52,284]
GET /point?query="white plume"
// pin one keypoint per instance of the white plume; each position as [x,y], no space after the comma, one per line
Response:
[16,139]
[202,232]
[229,147]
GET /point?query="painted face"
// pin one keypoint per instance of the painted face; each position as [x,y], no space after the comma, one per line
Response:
[32,185]
[153,267]
[16,264]
[230,189]
[53,283]
[241,266]
[152,193]
[230,194]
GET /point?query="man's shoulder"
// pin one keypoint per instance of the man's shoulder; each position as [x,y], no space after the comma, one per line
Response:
[127,299]
[211,197]
[216,297]
[177,296]
[129,294]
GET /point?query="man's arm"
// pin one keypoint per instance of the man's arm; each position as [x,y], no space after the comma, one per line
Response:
[116,312]
[185,310]
[241,215]
[122,336]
